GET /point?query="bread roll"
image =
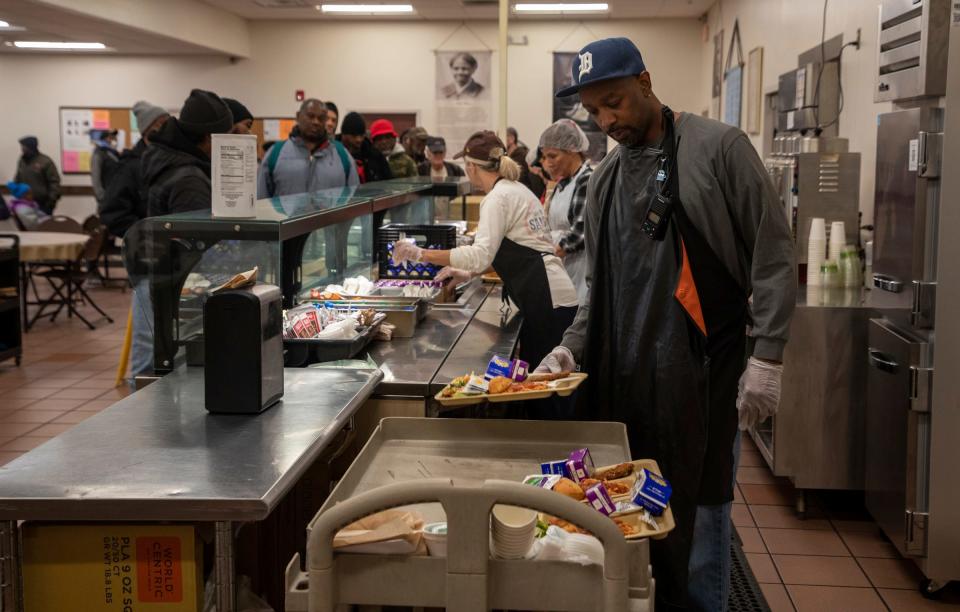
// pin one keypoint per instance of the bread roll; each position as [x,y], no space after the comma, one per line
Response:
[569,488]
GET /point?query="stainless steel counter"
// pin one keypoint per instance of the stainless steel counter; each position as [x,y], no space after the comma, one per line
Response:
[493,331]
[816,437]
[451,340]
[158,454]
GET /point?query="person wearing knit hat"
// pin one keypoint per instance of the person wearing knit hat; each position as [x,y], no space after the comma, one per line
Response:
[242,118]
[176,165]
[371,164]
[125,201]
[384,138]
[37,170]
[149,117]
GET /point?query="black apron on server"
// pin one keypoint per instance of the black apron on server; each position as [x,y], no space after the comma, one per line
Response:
[525,282]
[666,370]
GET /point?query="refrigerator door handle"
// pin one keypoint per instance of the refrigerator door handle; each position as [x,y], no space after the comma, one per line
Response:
[883,362]
[887,283]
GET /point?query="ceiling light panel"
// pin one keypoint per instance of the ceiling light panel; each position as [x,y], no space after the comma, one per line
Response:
[62,46]
[562,7]
[367,9]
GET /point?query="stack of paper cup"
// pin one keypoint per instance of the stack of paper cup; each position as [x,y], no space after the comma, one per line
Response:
[513,531]
[816,249]
[838,240]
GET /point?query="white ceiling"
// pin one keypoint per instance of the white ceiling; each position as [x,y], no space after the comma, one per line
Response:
[458,9]
[43,22]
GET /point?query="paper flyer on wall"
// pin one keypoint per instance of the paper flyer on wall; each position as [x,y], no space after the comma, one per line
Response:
[75,125]
[234,172]
[463,100]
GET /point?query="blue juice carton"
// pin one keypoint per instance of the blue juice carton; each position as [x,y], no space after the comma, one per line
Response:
[651,491]
[554,467]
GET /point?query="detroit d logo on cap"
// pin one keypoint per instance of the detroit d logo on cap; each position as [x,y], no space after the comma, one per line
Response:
[586,64]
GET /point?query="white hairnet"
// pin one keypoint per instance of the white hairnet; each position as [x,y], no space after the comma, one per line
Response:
[565,135]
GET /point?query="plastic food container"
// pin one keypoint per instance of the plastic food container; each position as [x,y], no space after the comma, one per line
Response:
[435,534]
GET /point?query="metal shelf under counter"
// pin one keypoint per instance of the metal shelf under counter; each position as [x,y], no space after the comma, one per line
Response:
[816,438]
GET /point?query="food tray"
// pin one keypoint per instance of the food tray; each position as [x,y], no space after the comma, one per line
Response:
[414,453]
[301,352]
[562,387]
[665,520]
[403,313]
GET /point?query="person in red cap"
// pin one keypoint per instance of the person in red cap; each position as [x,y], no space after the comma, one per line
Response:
[514,238]
[384,138]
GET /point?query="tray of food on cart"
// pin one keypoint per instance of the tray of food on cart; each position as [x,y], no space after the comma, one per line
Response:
[507,381]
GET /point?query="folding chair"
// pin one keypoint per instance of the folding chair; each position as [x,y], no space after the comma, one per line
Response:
[67,282]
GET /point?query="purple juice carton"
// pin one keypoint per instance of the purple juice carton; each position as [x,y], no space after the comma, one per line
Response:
[651,491]
[599,499]
[558,467]
[519,370]
[580,465]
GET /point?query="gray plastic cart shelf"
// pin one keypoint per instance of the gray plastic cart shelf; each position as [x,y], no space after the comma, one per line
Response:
[456,470]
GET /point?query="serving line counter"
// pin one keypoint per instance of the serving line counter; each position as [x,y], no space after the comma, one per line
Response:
[298,242]
[158,455]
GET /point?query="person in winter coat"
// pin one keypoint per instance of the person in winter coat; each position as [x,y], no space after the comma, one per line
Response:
[103,162]
[38,171]
[176,167]
[384,137]
[308,160]
[125,202]
[371,164]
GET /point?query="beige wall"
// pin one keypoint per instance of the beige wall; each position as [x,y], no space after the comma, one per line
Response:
[786,28]
[362,66]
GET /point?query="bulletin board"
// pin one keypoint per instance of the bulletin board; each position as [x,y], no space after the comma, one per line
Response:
[271,128]
[75,125]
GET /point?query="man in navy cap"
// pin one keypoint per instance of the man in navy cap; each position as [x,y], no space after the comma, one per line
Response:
[682,228]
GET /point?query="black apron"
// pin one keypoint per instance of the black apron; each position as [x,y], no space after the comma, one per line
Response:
[652,367]
[525,282]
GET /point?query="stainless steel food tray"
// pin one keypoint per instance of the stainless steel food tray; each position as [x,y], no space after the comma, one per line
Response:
[433,465]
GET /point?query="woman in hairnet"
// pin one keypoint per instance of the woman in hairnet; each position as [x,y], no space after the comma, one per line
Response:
[564,146]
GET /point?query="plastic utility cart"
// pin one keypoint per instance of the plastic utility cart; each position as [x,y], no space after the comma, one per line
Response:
[457,470]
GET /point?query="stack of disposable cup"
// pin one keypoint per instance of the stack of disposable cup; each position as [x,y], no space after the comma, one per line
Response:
[513,531]
[816,249]
[838,240]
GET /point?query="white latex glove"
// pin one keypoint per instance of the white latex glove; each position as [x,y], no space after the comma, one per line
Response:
[560,359]
[455,275]
[759,395]
[404,251]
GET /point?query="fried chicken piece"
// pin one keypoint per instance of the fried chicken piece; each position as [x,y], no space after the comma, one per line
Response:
[618,471]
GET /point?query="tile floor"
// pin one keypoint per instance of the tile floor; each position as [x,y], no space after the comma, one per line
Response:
[67,375]
[834,560]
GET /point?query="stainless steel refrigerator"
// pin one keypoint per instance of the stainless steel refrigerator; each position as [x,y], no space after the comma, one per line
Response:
[900,354]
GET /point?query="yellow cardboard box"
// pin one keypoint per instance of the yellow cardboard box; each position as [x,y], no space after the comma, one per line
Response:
[112,568]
